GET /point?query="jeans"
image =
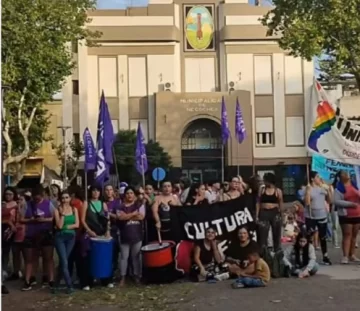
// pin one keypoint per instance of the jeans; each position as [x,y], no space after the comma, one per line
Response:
[133,250]
[269,218]
[296,272]
[250,282]
[64,243]
[321,225]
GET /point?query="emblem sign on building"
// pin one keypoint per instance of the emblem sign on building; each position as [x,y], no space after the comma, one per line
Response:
[199,28]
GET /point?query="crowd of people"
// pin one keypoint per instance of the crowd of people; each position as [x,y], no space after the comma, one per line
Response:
[38,221]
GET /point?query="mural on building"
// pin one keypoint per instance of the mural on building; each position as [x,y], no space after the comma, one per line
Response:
[199,28]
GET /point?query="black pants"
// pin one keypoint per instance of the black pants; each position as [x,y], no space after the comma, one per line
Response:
[321,226]
[116,251]
[75,259]
[269,218]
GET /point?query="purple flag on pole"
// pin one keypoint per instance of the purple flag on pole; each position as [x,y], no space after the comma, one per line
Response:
[140,152]
[90,151]
[225,132]
[240,131]
[104,143]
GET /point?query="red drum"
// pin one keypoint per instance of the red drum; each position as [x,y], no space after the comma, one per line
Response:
[157,255]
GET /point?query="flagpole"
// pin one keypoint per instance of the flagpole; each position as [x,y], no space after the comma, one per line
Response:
[222,164]
[116,167]
[237,159]
[143,173]
[86,185]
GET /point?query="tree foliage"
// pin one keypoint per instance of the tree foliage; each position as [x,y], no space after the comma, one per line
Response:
[124,148]
[72,158]
[35,61]
[316,27]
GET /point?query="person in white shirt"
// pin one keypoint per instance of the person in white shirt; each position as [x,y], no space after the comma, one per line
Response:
[212,193]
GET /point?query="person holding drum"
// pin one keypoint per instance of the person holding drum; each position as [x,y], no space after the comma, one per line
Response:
[161,210]
[131,215]
[95,221]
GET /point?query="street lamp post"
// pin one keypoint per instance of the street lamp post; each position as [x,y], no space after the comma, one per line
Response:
[63,132]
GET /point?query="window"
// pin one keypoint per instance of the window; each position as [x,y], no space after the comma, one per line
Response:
[295,131]
[144,127]
[74,46]
[137,77]
[75,87]
[199,75]
[264,132]
[76,138]
[263,75]
[115,125]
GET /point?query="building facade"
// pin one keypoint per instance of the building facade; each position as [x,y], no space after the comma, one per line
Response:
[168,66]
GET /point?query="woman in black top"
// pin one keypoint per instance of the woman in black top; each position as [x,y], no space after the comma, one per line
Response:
[196,195]
[269,213]
[206,255]
[238,252]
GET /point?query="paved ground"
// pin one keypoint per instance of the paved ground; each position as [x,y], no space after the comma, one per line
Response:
[334,288]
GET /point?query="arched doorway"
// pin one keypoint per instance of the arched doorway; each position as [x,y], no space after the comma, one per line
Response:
[201,150]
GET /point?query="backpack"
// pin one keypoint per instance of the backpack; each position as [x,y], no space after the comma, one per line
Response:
[275,262]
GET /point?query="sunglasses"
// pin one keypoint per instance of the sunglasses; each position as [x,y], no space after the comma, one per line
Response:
[65,198]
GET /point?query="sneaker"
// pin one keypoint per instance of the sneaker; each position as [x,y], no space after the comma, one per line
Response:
[222,277]
[336,246]
[344,261]
[326,261]
[86,288]
[354,259]
[70,291]
[44,282]
[4,290]
[33,281]
[110,285]
[26,287]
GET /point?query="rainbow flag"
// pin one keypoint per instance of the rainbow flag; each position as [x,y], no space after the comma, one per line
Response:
[326,118]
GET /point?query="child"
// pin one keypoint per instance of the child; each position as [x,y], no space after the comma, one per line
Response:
[291,228]
[257,274]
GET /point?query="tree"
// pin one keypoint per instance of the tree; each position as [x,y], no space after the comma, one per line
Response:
[124,149]
[35,61]
[72,158]
[311,28]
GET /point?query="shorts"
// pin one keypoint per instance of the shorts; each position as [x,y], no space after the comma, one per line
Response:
[349,220]
[46,240]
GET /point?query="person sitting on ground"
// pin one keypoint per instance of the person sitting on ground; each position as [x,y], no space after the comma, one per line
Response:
[206,257]
[291,228]
[257,274]
[196,195]
[301,257]
[238,252]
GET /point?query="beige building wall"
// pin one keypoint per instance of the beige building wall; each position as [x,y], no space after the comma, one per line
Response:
[141,53]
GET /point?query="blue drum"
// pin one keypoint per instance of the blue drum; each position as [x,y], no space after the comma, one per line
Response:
[101,257]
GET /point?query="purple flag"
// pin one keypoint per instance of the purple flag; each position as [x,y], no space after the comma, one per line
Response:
[104,143]
[225,132]
[140,152]
[90,151]
[240,131]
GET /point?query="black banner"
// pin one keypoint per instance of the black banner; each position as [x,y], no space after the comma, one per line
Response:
[190,222]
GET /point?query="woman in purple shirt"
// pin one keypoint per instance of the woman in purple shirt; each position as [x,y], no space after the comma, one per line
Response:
[131,215]
[39,236]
